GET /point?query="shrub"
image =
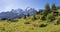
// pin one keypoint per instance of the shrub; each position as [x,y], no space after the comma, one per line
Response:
[25,17]
[56,13]
[34,17]
[12,20]
[27,23]
[43,25]
[28,15]
[43,18]
[57,22]
[50,17]
[19,17]
[2,28]
[35,25]
[4,19]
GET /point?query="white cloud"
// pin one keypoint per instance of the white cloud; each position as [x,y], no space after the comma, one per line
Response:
[7,5]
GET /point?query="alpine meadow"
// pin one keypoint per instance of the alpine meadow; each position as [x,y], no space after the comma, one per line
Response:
[31,20]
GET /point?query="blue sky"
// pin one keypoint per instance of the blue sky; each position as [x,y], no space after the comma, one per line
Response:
[7,5]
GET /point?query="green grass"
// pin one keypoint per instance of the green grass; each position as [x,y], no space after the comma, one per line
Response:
[19,26]
[33,26]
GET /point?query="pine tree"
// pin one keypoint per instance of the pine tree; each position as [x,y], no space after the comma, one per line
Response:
[47,8]
[54,7]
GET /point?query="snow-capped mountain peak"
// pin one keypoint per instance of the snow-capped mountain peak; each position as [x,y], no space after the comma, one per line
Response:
[18,13]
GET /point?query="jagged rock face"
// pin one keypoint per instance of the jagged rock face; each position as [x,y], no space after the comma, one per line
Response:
[7,15]
[17,13]
[30,11]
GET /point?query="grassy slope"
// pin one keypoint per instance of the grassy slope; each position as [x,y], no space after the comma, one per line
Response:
[21,27]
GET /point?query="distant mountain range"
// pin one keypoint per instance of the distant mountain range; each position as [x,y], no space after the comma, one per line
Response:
[18,13]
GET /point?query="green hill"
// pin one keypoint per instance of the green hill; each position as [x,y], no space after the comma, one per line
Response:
[44,21]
